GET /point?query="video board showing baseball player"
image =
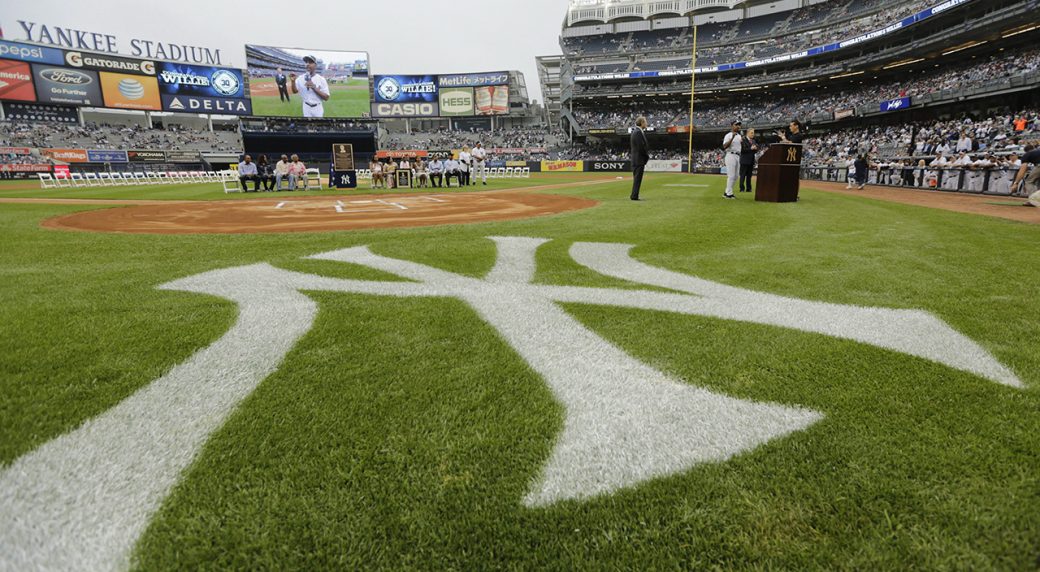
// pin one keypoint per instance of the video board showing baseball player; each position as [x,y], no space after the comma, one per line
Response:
[300,82]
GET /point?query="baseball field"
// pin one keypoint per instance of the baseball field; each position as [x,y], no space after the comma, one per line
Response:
[349,99]
[838,383]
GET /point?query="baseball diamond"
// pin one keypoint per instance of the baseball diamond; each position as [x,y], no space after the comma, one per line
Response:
[686,285]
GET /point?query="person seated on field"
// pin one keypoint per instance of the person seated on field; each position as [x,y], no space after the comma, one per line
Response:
[281,172]
[266,173]
[247,172]
[436,172]
[297,173]
[422,175]
[390,171]
[377,173]
[451,169]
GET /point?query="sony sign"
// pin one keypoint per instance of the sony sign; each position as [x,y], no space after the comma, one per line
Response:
[609,166]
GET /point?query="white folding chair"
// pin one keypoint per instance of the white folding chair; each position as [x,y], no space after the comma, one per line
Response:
[525,172]
[47,181]
[509,172]
[127,179]
[153,178]
[104,179]
[77,180]
[230,181]
[63,180]
[313,174]
[90,180]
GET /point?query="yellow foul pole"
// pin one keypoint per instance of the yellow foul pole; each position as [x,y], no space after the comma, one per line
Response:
[693,66]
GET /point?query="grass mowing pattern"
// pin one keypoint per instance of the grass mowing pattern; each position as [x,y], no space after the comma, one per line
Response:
[402,433]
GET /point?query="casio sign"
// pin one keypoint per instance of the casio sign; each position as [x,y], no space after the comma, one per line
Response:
[404,109]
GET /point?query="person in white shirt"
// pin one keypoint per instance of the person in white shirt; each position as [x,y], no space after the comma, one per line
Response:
[850,164]
[479,162]
[937,165]
[964,143]
[422,174]
[451,169]
[313,88]
[731,145]
[465,159]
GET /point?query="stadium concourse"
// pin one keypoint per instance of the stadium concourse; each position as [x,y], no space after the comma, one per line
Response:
[273,307]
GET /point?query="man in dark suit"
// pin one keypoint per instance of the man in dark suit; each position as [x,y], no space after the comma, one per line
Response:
[640,155]
[748,150]
[283,90]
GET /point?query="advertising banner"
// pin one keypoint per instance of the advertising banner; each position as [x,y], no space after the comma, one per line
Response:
[201,81]
[405,109]
[25,168]
[105,62]
[678,129]
[533,150]
[563,166]
[15,150]
[401,154]
[508,150]
[196,104]
[144,155]
[65,85]
[124,91]
[473,79]
[28,53]
[608,165]
[895,104]
[406,88]
[664,166]
[183,156]
[455,101]
[16,81]
[601,131]
[62,171]
[105,156]
[40,112]
[516,163]
[66,155]
[492,100]
[844,113]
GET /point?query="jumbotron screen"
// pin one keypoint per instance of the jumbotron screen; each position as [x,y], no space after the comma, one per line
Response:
[328,83]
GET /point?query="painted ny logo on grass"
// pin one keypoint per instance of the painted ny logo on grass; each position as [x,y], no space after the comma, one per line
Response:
[82,500]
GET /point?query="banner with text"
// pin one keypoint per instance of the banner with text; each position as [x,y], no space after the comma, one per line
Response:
[66,155]
[106,156]
[562,166]
[456,101]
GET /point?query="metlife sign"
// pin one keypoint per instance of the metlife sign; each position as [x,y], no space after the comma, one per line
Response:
[896,104]
[473,79]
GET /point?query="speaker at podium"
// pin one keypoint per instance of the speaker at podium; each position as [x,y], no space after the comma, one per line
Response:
[779,171]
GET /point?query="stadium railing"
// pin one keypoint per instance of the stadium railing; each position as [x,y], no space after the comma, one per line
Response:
[992,181]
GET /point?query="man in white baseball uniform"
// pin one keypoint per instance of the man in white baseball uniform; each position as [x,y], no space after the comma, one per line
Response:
[731,145]
[479,162]
[465,162]
[313,88]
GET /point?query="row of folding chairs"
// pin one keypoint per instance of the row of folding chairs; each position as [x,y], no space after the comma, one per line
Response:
[103,179]
[492,173]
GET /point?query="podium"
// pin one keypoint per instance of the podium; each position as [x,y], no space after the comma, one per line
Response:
[779,173]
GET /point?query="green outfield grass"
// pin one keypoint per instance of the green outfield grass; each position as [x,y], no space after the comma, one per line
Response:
[345,100]
[402,433]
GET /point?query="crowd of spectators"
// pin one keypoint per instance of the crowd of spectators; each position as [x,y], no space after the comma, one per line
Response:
[289,125]
[975,73]
[514,138]
[743,40]
[104,136]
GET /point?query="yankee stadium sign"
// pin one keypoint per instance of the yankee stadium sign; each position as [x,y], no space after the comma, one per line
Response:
[84,40]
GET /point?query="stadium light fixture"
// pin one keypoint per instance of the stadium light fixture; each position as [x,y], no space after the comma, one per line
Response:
[903,63]
[850,74]
[964,46]
[1017,31]
[794,83]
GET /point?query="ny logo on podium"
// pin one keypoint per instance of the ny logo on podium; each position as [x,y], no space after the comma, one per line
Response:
[792,155]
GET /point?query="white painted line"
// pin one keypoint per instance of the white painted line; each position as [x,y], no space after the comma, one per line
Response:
[398,205]
[434,200]
[684,185]
[280,205]
[361,202]
[339,203]
[339,208]
[81,500]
